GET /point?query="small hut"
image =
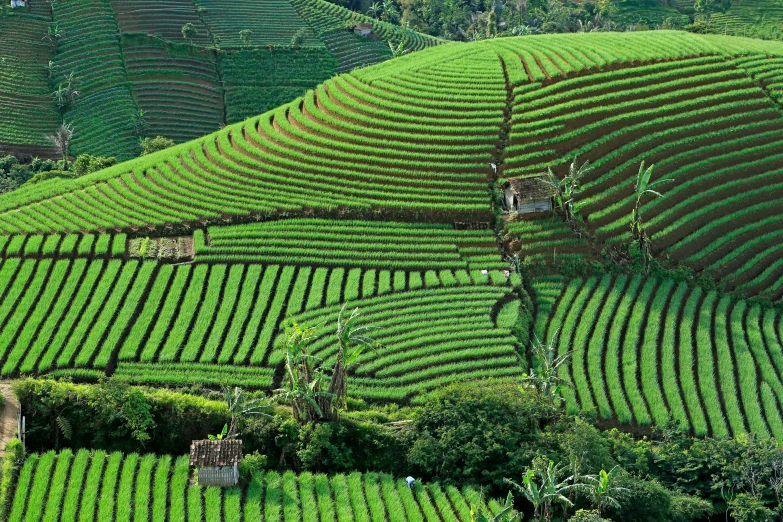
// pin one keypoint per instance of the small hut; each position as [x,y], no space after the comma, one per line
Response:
[363,29]
[216,461]
[527,195]
[18,3]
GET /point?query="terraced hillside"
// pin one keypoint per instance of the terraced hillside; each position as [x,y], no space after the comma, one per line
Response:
[28,114]
[375,190]
[95,483]
[751,18]
[128,57]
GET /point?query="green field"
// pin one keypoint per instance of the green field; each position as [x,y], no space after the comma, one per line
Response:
[297,198]
[140,487]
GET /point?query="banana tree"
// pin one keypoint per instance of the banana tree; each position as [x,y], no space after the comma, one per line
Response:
[351,342]
[542,487]
[375,10]
[568,187]
[303,376]
[507,512]
[644,186]
[240,406]
[600,489]
[544,379]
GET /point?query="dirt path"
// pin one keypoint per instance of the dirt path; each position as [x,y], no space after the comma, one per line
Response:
[8,425]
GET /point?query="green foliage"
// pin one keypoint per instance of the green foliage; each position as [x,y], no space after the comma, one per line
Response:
[12,462]
[746,507]
[13,174]
[479,433]
[252,464]
[584,515]
[50,174]
[189,32]
[152,145]
[114,416]
[299,37]
[350,445]
[246,35]
[86,163]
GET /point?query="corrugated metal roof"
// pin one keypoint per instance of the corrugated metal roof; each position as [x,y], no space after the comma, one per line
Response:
[531,188]
[215,452]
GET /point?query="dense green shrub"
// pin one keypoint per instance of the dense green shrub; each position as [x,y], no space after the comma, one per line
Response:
[85,163]
[479,433]
[49,174]
[114,416]
[13,173]
[158,143]
[585,515]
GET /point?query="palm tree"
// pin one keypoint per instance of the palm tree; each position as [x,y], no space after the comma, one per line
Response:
[568,187]
[543,379]
[599,489]
[643,187]
[61,141]
[542,487]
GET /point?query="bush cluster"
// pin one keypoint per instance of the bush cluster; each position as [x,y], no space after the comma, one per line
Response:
[475,434]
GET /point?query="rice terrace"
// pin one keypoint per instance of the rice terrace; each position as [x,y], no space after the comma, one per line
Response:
[395,261]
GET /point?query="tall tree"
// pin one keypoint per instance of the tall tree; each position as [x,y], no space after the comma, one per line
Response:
[644,186]
[351,341]
[543,378]
[61,141]
[189,32]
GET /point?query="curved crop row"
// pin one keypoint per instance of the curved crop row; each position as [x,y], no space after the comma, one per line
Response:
[653,350]
[415,136]
[426,339]
[107,487]
[168,324]
[342,243]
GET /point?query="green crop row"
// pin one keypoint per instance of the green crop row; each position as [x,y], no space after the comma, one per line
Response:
[71,245]
[426,337]
[154,488]
[630,334]
[371,244]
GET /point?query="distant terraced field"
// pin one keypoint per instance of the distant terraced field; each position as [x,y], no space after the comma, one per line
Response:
[128,56]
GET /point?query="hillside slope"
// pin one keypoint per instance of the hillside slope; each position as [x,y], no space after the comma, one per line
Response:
[375,190]
[128,56]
